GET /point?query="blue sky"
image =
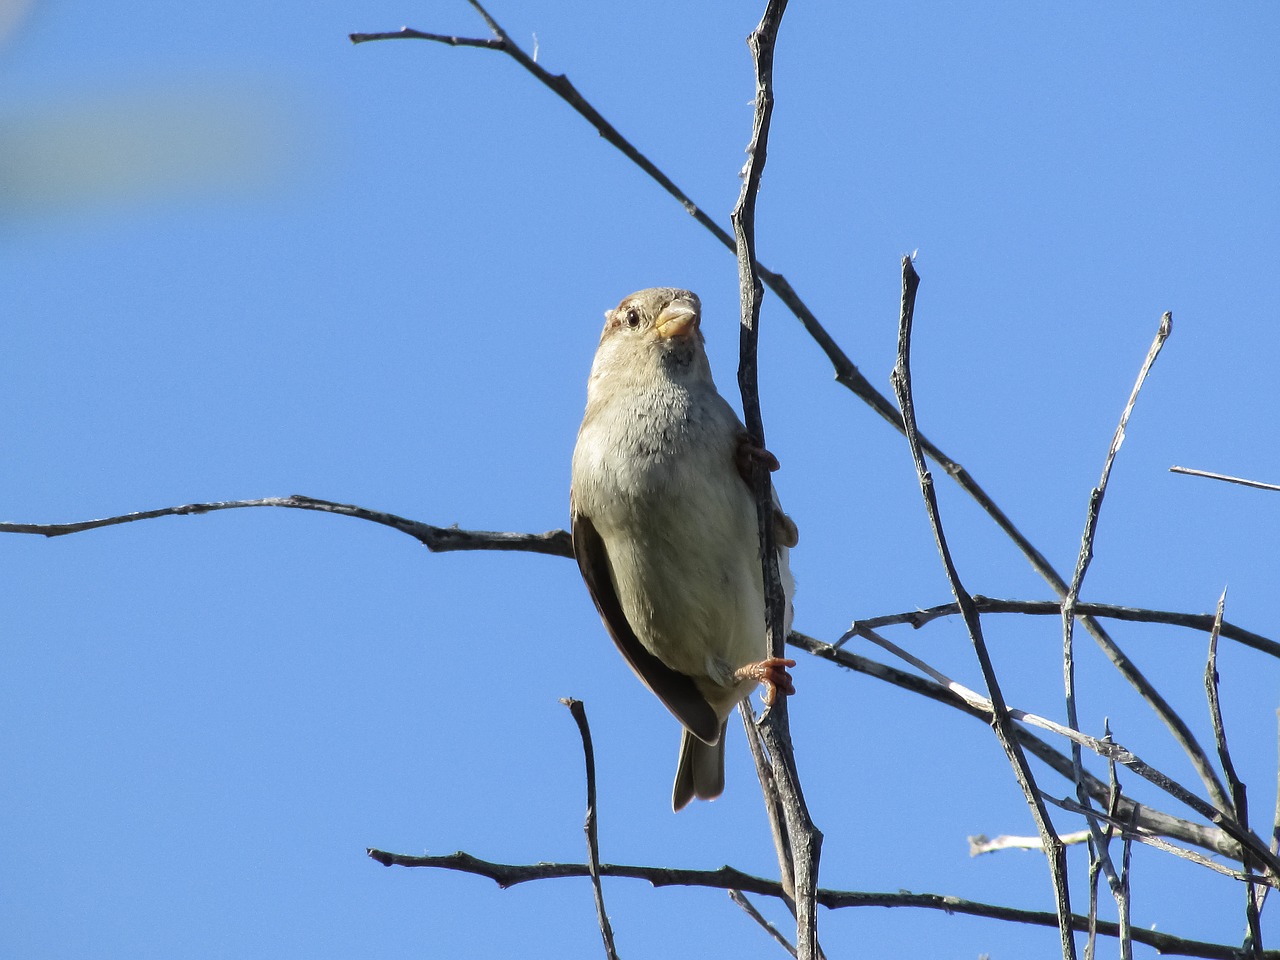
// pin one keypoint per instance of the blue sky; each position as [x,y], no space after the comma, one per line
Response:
[241,258]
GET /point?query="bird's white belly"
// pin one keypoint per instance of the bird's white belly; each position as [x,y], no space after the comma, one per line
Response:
[682,541]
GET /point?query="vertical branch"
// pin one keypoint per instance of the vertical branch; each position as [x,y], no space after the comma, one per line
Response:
[1055,850]
[803,838]
[772,803]
[1274,844]
[1099,848]
[1121,889]
[579,713]
[1239,797]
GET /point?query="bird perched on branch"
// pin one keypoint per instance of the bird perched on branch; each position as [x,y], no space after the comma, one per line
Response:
[665,530]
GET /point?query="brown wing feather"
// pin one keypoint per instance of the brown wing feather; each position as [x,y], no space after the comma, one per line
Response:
[676,690]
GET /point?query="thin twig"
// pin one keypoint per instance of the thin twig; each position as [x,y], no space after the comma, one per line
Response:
[1274,844]
[1002,724]
[749,908]
[1127,832]
[728,878]
[1095,868]
[408,33]
[1222,476]
[579,713]
[1195,621]
[436,539]
[804,840]
[1239,795]
[1098,848]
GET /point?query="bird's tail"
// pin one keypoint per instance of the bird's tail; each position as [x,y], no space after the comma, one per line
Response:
[701,770]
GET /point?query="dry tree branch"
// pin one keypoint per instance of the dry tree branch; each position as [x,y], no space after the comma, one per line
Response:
[847,374]
[728,878]
[1002,724]
[1098,848]
[1222,476]
[1122,890]
[772,800]
[749,908]
[1274,844]
[554,543]
[1107,748]
[1130,830]
[1156,821]
[579,713]
[803,838]
[1239,797]
[1195,621]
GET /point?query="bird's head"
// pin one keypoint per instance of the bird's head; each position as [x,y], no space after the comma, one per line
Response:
[653,332]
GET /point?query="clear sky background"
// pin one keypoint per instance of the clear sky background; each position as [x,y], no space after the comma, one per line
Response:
[240,257]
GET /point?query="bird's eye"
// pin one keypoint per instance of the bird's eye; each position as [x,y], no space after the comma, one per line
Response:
[632,317]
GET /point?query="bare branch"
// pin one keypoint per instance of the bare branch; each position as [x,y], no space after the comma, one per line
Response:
[1107,748]
[408,33]
[1195,621]
[1130,831]
[804,840]
[1222,476]
[554,543]
[772,801]
[1001,723]
[1239,795]
[561,86]
[728,878]
[738,897]
[1098,849]
[1122,890]
[1206,837]
[579,713]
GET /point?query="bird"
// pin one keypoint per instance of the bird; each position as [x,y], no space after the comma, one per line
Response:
[665,531]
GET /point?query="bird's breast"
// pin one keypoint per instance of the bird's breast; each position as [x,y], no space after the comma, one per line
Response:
[661,486]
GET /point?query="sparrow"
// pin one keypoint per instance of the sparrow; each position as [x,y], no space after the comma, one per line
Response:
[665,530]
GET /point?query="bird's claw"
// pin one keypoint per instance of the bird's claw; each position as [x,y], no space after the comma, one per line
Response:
[750,452]
[773,674]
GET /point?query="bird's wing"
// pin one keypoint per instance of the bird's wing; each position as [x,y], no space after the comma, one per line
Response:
[676,690]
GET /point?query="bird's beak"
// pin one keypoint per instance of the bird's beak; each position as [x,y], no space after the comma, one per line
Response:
[678,319]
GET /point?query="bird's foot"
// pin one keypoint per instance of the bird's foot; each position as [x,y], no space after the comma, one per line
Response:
[750,452]
[773,674]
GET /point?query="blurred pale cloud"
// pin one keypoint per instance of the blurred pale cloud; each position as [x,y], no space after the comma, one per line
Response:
[130,146]
[11,14]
